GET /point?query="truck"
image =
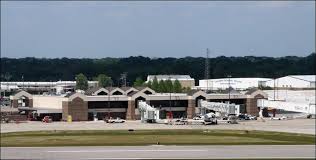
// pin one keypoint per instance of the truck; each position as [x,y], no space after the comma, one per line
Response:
[209,118]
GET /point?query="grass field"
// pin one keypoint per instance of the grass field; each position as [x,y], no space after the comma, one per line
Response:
[150,137]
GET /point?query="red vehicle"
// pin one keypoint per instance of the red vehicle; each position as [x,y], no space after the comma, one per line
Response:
[47,119]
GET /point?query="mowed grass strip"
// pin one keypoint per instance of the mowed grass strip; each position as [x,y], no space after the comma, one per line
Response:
[150,137]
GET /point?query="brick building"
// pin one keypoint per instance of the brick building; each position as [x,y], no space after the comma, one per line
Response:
[123,102]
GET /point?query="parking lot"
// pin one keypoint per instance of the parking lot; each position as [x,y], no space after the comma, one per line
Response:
[295,126]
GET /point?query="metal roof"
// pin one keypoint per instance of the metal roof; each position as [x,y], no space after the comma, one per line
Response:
[310,78]
[179,77]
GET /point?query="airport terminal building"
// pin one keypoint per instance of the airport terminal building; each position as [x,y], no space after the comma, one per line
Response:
[123,102]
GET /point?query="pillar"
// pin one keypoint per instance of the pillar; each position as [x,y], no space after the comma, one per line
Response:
[130,114]
[30,103]
[14,103]
[251,106]
[273,112]
[191,108]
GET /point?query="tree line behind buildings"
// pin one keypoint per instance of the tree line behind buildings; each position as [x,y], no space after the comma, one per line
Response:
[159,86]
[66,69]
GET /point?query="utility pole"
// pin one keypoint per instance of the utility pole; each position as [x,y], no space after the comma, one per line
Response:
[207,68]
[170,112]
[229,76]
[274,89]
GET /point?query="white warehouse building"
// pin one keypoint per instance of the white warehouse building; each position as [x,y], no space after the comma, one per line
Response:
[293,81]
[58,87]
[236,83]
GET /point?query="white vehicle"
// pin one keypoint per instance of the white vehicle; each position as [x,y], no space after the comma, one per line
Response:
[278,118]
[181,121]
[117,120]
[210,118]
[198,118]
[252,117]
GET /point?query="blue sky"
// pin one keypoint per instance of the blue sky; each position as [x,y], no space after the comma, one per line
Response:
[156,29]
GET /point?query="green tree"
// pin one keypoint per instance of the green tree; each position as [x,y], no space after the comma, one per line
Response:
[148,84]
[169,86]
[81,82]
[177,86]
[104,80]
[138,82]
[162,86]
[155,84]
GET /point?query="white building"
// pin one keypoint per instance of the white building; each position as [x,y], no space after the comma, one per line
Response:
[58,87]
[236,83]
[185,80]
[293,81]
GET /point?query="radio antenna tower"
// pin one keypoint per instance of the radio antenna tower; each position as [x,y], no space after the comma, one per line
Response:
[207,68]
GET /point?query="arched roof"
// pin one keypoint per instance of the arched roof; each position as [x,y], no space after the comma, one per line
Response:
[21,93]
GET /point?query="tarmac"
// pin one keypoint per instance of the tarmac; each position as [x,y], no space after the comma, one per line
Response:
[306,126]
[161,152]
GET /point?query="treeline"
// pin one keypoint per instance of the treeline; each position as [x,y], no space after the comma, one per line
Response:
[42,69]
[159,86]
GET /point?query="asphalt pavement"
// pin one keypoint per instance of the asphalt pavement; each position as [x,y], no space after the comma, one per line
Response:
[160,152]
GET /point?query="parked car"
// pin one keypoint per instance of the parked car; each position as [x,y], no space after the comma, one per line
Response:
[279,118]
[252,117]
[181,121]
[232,119]
[198,118]
[210,118]
[117,120]
[246,117]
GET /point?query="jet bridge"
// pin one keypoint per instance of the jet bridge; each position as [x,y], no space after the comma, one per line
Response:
[222,108]
[308,108]
[148,113]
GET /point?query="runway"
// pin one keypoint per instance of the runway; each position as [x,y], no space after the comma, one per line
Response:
[160,152]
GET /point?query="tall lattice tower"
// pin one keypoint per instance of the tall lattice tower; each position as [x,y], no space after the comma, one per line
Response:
[207,69]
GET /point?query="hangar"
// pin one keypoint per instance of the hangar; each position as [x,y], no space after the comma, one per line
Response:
[293,81]
[123,103]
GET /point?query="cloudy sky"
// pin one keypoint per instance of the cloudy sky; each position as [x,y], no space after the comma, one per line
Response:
[156,29]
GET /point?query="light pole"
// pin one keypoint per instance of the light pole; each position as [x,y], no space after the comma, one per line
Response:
[109,106]
[229,76]
[170,112]
[274,89]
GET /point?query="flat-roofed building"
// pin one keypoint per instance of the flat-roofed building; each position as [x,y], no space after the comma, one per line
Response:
[235,83]
[58,87]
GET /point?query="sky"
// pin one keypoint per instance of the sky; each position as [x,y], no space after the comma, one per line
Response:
[99,29]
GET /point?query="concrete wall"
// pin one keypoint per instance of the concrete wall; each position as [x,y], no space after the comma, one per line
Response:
[187,83]
[48,102]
